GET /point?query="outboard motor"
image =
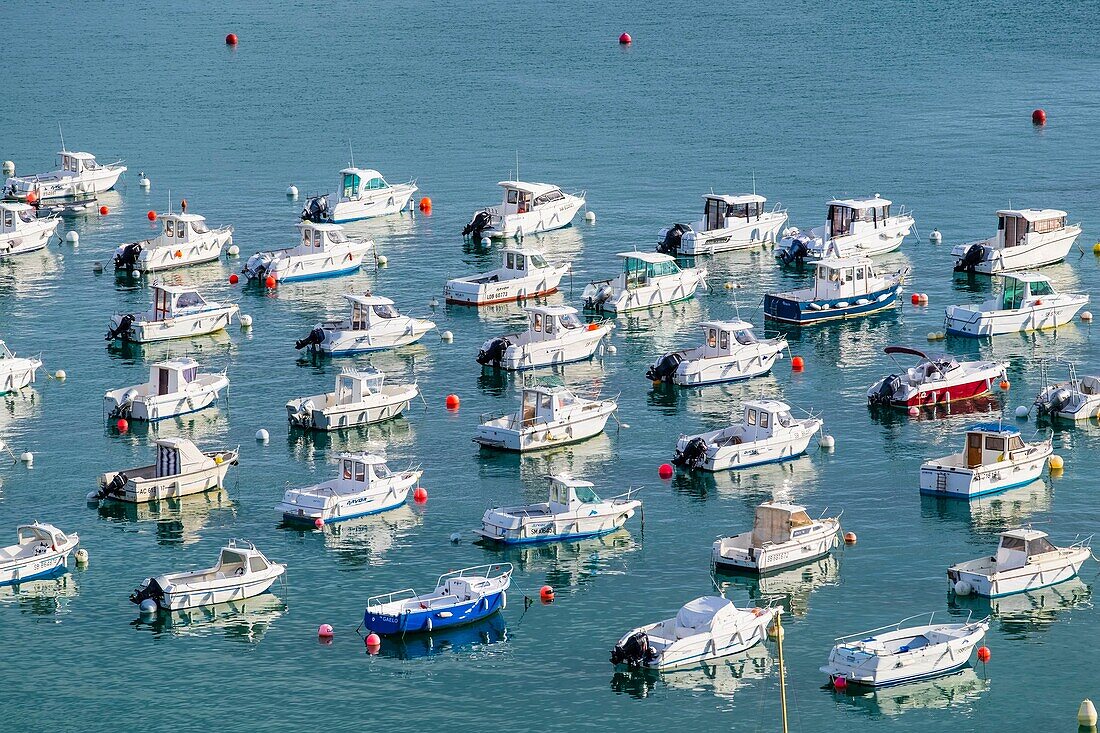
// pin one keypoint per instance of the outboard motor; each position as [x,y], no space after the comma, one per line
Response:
[663,369]
[108,490]
[887,388]
[1056,402]
[316,337]
[128,257]
[316,209]
[670,245]
[796,253]
[596,300]
[477,225]
[693,454]
[633,650]
[123,328]
[974,255]
[125,406]
[151,589]
[493,352]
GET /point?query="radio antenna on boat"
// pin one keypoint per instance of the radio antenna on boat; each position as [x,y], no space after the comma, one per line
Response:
[62,134]
[753,181]
[351,154]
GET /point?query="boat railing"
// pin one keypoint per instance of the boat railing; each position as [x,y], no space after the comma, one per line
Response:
[928,619]
[1043,435]
[489,571]
[514,423]
[1083,542]
[397,595]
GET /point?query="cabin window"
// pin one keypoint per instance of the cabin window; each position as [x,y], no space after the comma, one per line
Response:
[256,565]
[538,262]
[1013,295]
[662,268]
[570,320]
[187,300]
[1013,543]
[512,196]
[1039,546]
[586,494]
[8,219]
[162,381]
[745,337]
[1041,288]
[306,238]
[544,404]
[549,197]
[169,230]
[358,317]
[834,275]
[351,185]
[360,472]
[538,322]
[199,227]
[859,274]
[1015,229]
[1045,226]
[725,341]
[519,262]
[763,419]
[510,261]
[840,220]
[189,374]
[375,184]
[550,324]
[784,419]
[741,211]
[530,402]
[994,443]
[347,470]
[1015,442]
[751,417]
[385,311]
[848,274]
[712,338]
[181,229]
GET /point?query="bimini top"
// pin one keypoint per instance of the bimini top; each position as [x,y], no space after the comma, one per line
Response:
[735,325]
[368,299]
[993,427]
[371,459]
[1033,214]
[743,198]
[536,189]
[365,173]
[768,405]
[551,310]
[861,203]
[651,257]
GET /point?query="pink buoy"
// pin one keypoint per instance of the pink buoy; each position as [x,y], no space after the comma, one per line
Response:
[318,523]
[324,631]
[913,411]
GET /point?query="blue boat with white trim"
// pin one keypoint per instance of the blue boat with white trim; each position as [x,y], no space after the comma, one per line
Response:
[842,288]
[460,597]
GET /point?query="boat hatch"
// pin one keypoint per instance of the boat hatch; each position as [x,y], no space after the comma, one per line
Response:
[1017,547]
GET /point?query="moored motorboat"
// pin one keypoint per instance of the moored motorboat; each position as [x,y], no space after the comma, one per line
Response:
[648,280]
[22,230]
[574,511]
[730,352]
[527,208]
[175,387]
[1028,302]
[729,223]
[1077,398]
[550,415]
[782,535]
[524,273]
[178,312]
[375,324]
[460,597]
[842,288]
[361,397]
[935,379]
[324,250]
[79,174]
[994,458]
[241,572]
[856,227]
[1025,561]
[707,628]
[16,372]
[184,239]
[766,433]
[364,485]
[362,194]
[40,550]
[180,469]
[899,653]
[1025,238]
[555,335]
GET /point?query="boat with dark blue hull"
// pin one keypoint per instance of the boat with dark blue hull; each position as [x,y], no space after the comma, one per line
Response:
[460,597]
[842,288]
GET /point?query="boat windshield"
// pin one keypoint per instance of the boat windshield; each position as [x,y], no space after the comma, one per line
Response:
[351,185]
[745,336]
[199,227]
[538,261]
[26,216]
[381,470]
[337,236]
[190,299]
[570,320]
[1041,287]
[385,311]
[586,494]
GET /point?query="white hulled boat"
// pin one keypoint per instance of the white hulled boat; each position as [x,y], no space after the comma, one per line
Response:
[362,194]
[524,273]
[1028,302]
[184,239]
[22,231]
[857,227]
[994,458]
[729,223]
[180,469]
[365,485]
[935,379]
[730,351]
[16,372]
[766,433]
[782,535]
[324,250]
[527,208]
[648,280]
[361,397]
[555,335]
[175,387]
[1078,398]
[241,572]
[374,325]
[178,312]
[1025,238]
[550,415]
[79,174]
[1025,561]
[40,550]
[574,511]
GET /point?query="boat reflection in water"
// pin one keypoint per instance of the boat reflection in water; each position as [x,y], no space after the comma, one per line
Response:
[316,445]
[1022,614]
[787,481]
[245,620]
[478,638]
[721,678]
[793,585]
[570,562]
[179,520]
[42,596]
[365,541]
[963,688]
[994,513]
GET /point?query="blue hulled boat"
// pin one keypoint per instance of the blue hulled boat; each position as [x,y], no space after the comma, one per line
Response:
[843,288]
[460,597]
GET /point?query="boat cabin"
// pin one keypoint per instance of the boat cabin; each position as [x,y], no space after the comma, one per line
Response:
[170,300]
[76,163]
[1014,225]
[236,561]
[1023,287]
[640,268]
[368,310]
[317,237]
[522,261]
[179,228]
[358,183]
[777,523]
[544,400]
[178,456]
[761,418]
[843,213]
[989,443]
[848,277]
[1017,545]
[353,385]
[362,468]
[570,495]
[547,322]
[723,338]
[521,197]
[174,375]
[14,215]
[38,533]
[720,207]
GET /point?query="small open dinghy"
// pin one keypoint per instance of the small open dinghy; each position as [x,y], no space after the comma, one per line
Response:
[899,653]
[555,335]
[1025,561]
[16,372]
[648,280]
[181,469]
[460,597]
[573,512]
[322,251]
[375,324]
[704,629]
[782,535]
[361,397]
[242,572]
[1028,302]
[994,458]
[730,352]
[525,273]
[184,239]
[527,208]
[365,485]
[842,288]
[729,223]
[935,379]
[40,550]
[178,312]
[175,387]
[550,415]
[22,230]
[766,433]
[1078,398]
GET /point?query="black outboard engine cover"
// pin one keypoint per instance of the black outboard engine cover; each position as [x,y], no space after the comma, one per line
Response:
[128,257]
[670,245]
[970,259]
[316,209]
[692,455]
[152,590]
[886,391]
[122,329]
[795,254]
[316,337]
[494,352]
[632,651]
[477,225]
[663,370]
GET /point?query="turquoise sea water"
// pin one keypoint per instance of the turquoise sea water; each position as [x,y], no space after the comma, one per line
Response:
[927,104]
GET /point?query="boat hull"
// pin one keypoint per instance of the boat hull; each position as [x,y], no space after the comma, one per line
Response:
[1021,580]
[208,248]
[976,324]
[558,528]
[179,599]
[51,562]
[729,239]
[778,307]
[542,436]
[54,187]
[32,237]
[15,377]
[342,417]
[542,219]
[555,352]
[1022,257]
[776,557]
[199,324]
[137,491]
[718,370]
[341,343]
[432,619]
[965,483]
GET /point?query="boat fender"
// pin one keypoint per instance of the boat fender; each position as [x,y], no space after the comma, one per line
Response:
[428,624]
